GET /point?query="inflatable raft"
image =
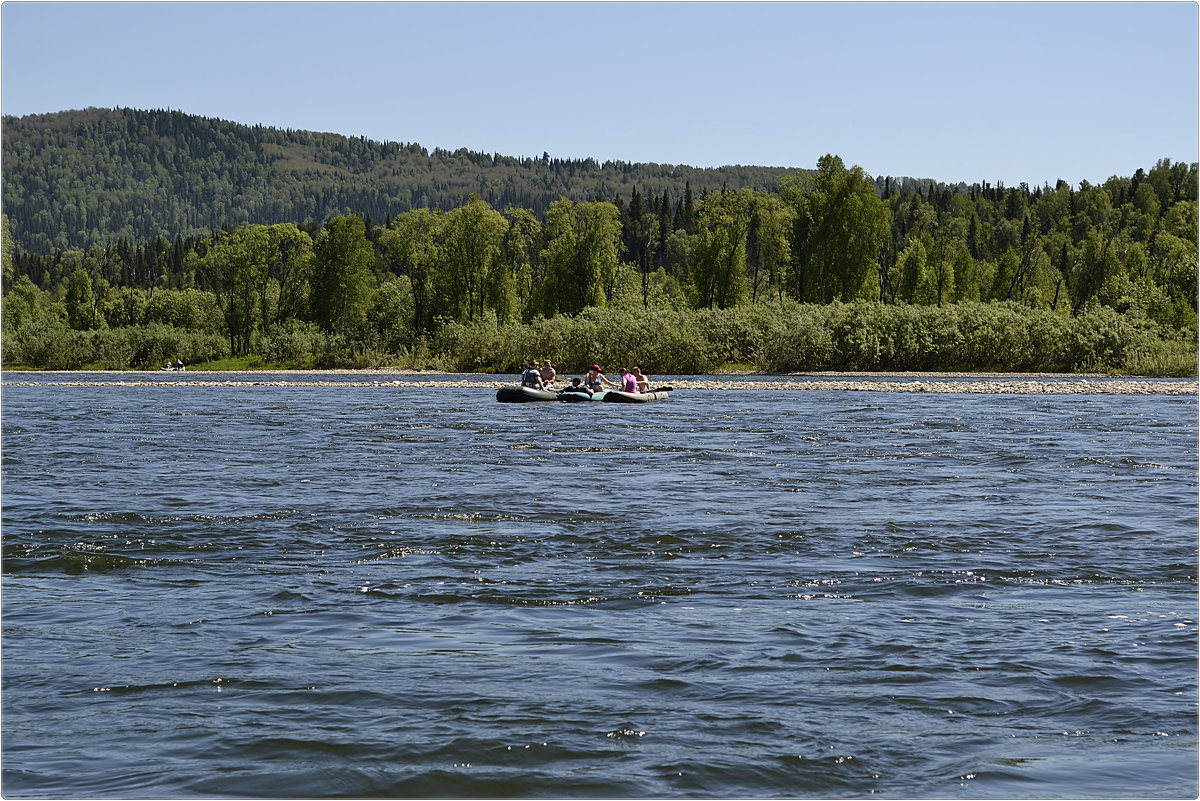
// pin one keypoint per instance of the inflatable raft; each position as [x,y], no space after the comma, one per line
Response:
[519,394]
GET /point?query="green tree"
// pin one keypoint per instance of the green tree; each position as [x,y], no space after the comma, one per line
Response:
[966,277]
[941,261]
[473,236]
[1042,281]
[521,250]
[7,274]
[81,305]
[1006,277]
[411,243]
[284,285]
[233,267]
[1094,264]
[719,275]
[192,309]
[840,230]
[25,305]
[1172,261]
[391,313]
[644,233]
[341,287]
[680,256]
[918,284]
[768,258]
[580,255]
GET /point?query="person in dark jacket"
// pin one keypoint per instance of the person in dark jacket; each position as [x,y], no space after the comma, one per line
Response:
[532,377]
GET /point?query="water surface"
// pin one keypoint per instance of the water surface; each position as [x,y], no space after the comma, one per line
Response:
[319,591]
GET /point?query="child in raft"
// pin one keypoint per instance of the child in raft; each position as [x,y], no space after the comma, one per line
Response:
[577,386]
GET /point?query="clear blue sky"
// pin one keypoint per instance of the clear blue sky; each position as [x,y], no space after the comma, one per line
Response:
[954,91]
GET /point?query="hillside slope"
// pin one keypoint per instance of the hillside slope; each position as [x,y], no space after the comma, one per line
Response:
[78,178]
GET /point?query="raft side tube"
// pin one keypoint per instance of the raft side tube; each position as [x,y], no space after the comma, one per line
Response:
[519,394]
[618,396]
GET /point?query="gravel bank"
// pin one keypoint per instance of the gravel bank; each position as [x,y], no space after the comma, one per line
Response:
[1010,385]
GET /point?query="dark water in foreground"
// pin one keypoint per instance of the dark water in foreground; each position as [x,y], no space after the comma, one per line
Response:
[332,591]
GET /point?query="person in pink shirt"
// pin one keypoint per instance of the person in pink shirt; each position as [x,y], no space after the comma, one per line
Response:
[643,383]
[628,381]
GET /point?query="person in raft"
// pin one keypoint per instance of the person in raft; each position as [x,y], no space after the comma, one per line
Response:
[577,386]
[548,374]
[532,378]
[596,380]
[628,381]
[643,383]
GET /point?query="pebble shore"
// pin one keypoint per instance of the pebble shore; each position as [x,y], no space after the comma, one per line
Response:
[1012,385]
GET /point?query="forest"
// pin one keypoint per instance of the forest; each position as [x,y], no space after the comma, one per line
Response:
[774,270]
[96,176]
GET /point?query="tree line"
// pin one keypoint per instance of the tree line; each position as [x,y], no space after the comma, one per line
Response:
[348,291]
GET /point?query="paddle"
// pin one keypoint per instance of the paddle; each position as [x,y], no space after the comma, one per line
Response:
[662,389]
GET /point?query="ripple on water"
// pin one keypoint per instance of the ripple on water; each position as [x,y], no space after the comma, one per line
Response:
[344,591]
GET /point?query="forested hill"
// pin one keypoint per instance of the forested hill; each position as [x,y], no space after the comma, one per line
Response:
[77,178]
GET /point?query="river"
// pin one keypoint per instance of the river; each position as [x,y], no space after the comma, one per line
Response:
[319,589]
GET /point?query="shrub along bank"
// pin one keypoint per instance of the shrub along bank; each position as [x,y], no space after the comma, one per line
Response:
[792,337]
